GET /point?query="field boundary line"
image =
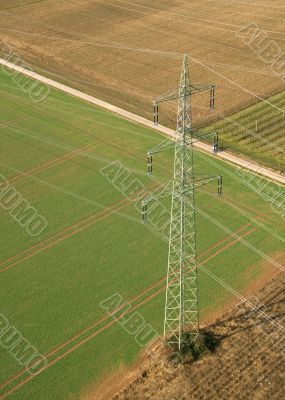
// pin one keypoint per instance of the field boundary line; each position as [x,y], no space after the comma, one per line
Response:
[226,156]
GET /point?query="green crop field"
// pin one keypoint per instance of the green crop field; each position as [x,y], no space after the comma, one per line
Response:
[257,131]
[57,155]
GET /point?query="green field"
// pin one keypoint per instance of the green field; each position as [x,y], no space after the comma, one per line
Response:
[257,131]
[96,246]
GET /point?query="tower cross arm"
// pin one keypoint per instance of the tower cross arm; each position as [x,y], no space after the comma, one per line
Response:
[200,88]
[188,90]
[172,95]
[198,183]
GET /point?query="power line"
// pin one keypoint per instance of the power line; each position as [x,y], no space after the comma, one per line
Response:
[167,53]
[234,2]
[179,15]
[235,84]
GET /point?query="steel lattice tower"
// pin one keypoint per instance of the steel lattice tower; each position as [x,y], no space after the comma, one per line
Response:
[182,303]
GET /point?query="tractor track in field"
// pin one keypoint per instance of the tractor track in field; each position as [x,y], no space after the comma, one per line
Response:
[259,215]
[242,228]
[94,334]
[238,207]
[49,245]
[137,296]
[228,245]
[74,154]
[10,122]
[85,330]
[38,246]
[59,160]
[57,238]
[46,166]
[106,317]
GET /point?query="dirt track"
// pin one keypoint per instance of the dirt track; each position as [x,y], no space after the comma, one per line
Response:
[143,121]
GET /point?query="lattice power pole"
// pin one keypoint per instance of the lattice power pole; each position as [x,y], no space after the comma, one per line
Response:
[182,303]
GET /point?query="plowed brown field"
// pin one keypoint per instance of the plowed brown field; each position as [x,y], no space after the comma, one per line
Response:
[79,43]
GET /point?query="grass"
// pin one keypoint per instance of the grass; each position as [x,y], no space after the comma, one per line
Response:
[53,292]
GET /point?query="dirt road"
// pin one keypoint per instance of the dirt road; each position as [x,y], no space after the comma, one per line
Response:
[267,173]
